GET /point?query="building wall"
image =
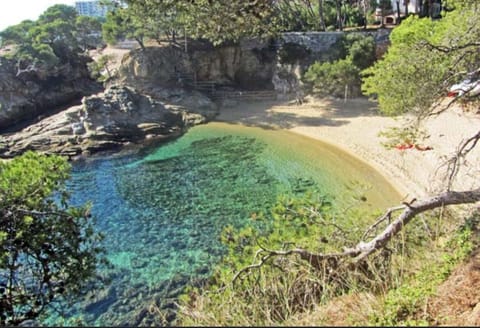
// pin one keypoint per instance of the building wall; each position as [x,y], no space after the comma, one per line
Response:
[413,6]
[90,8]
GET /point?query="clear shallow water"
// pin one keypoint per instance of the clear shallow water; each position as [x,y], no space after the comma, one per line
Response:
[162,211]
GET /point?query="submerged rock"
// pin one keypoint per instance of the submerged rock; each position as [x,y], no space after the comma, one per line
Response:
[109,120]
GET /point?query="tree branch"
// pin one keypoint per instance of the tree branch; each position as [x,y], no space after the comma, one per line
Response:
[453,164]
[363,249]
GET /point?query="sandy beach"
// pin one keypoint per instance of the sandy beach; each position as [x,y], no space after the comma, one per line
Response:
[354,125]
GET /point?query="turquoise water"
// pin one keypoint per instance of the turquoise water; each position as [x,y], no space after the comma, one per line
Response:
[162,210]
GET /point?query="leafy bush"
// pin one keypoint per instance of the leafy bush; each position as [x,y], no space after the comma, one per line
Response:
[101,66]
[356,52]
[47,249]
[272,290]
[424,59]
[360,49]
[331,79]
[354,17]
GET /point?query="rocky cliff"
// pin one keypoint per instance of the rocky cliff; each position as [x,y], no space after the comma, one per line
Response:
[241,66]
[110,120]
[25,95]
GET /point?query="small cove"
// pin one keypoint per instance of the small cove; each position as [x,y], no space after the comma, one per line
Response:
[162,210]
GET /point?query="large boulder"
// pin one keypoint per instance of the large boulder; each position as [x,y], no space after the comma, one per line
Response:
[110,120]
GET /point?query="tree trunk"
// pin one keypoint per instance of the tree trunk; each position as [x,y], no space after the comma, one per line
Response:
[364,4]
[321,15]
[185,38]
[338,5]
[140,42]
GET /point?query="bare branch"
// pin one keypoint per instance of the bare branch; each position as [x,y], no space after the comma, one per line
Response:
[462,151]
[443,108]
[42,213]
[445,49]
[385,216]
[29,68]
[443,199]
[363,249]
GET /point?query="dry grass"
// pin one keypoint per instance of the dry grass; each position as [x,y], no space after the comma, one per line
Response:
[457,302]
[347,310]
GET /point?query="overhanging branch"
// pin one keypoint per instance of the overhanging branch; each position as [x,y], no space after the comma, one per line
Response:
[363,249]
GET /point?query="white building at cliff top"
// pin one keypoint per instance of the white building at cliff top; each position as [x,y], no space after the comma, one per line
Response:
[90,8]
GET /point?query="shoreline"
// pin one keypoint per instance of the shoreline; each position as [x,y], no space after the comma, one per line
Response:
[353,127]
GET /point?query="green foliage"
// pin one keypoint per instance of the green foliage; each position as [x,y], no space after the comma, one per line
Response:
[58,12]
[425,58]
[145,19]
[356,52]
[27,50]
[354,16]
[17,34]
[402,136]
[360,49]
[231,20]
[112,30]
[283,285]
[56,37]
[47,248]
[141,19]
[305,15]
[331,79]
[55,29]
[218,21]
[293,221]
[297,16]
[221,21]
[88,32]
[99,66]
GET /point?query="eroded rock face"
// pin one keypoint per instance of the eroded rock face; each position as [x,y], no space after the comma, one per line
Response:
[244,67]
[29,94]
[110,120]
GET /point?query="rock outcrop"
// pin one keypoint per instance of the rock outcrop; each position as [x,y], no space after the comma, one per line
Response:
[26,95]
[242,66]
[110,120]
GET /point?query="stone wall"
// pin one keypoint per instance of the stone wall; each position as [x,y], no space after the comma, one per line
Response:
[322,42]
[296,51]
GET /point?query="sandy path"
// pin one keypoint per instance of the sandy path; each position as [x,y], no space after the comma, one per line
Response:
[354,125]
